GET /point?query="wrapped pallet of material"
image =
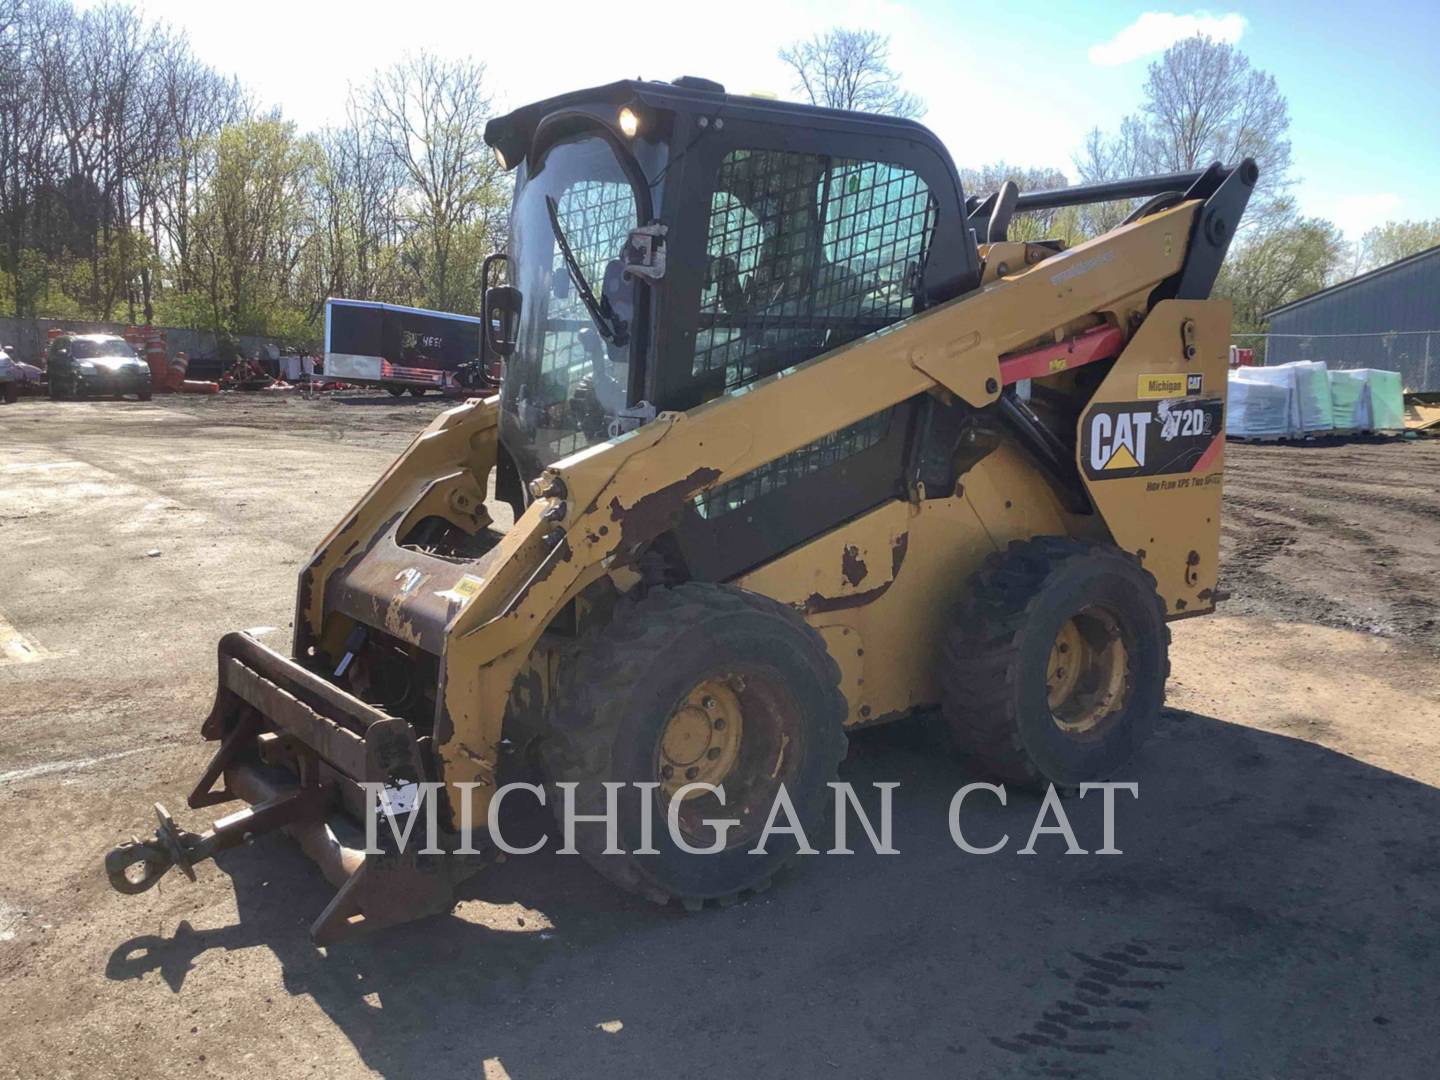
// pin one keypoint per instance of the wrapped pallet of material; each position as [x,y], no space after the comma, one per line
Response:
[1257,409]
[1350,400]
[1312,395]
[1387,400]
[1282,378]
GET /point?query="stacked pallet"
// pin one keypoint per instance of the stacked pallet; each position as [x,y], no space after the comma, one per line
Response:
[1303,399]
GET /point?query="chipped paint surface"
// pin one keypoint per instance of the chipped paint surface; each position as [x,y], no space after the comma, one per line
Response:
[852,566]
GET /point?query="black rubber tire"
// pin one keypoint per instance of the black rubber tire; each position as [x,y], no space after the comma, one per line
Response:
[395,391]
[10,392]
[144,395]
[417,391]
[995,653]
[619,688]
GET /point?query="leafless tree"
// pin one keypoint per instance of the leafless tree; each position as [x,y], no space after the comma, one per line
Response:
[360,216]
[850,69]
[1202,102]
[429,114]
[137,182]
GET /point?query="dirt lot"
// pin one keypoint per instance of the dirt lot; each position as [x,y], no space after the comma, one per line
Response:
[1272,914]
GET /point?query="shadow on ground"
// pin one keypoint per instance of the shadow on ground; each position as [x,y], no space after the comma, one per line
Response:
[1272,914]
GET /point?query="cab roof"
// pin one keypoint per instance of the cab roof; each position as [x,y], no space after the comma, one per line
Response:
[513,133]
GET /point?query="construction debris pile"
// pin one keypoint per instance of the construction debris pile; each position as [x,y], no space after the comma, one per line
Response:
[1303,399]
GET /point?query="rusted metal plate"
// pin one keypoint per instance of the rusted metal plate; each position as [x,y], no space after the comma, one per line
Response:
[330,699]
[341,748]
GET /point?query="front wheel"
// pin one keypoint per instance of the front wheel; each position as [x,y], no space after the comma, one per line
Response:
[1054,669]
[697,684]
[10,392]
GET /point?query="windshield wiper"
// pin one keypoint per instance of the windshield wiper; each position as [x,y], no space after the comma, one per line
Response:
[611,326]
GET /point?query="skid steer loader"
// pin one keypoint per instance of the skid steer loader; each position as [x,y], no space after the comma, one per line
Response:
[796,439]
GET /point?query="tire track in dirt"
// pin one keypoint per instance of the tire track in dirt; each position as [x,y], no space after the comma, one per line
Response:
[1105,995]
[1309,535]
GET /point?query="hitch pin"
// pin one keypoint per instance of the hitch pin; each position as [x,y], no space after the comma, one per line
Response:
[353,644]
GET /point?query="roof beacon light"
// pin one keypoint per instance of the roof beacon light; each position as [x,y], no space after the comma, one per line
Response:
[629,122]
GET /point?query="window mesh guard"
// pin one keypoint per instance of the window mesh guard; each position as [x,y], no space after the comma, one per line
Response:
[806,254]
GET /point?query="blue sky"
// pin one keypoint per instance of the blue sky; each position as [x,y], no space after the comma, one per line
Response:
[1021,81]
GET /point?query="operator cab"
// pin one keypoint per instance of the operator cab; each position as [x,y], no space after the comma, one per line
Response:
[670,243]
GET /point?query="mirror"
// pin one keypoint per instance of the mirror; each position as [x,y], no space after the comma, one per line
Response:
[502,318]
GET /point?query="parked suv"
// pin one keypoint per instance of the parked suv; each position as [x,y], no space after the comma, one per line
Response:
[81,365]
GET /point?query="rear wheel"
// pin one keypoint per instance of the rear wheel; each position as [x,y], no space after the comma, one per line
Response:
[1054,669]
[144,395]
[10,392]
[417,391]
[697,684]
[395,391]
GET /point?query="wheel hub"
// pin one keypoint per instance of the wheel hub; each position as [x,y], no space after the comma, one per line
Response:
[1087,677]
[701,740]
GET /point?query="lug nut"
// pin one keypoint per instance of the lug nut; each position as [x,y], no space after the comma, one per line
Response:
[666,772]
[719,723]
[707,702]
[691,773]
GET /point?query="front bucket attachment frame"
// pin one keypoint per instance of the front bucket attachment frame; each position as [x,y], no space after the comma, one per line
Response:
[297,748]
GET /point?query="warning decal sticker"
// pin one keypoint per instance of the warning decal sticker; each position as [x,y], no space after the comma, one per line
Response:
[1148,438]
[462,590]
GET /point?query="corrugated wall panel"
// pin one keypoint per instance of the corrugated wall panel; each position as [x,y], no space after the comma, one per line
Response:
[1391,320]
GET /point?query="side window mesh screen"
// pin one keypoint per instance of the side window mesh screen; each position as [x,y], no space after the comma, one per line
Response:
[823,452]
[806,252]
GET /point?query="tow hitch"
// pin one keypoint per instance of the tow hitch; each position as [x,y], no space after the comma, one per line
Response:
[297,750]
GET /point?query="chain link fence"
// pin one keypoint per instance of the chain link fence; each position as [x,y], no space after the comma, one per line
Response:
[1415,354]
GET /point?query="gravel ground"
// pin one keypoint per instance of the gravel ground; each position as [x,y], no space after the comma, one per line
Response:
[1272,914]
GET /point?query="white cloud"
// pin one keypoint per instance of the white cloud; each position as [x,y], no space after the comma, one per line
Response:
[1156,31]
[1357,214]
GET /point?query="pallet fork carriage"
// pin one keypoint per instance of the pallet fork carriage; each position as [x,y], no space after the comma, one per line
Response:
[797,440]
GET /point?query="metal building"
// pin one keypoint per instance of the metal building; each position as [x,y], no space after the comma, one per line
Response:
[1388,318]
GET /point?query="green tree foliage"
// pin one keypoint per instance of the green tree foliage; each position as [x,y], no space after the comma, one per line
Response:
[1062,224]
[248,231]
[1280,264]
[1394,241]
[138,184]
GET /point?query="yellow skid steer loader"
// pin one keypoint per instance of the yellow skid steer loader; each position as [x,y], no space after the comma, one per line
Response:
[796,439]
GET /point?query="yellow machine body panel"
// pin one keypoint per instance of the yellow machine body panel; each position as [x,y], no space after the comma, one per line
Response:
[1152,448]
